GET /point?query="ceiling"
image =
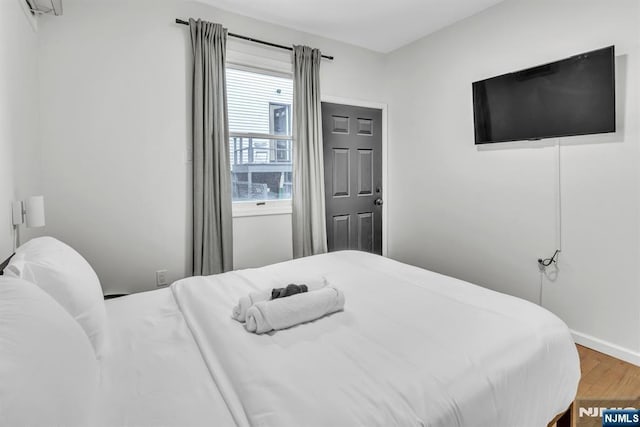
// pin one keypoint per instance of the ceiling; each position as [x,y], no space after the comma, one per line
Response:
[380,25]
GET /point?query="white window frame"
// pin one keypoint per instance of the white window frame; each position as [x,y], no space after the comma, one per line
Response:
[266,207]
[250,208]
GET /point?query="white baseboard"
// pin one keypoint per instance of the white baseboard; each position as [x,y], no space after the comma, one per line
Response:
[606,347]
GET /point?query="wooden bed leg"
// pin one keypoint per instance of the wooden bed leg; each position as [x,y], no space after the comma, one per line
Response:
[566,420]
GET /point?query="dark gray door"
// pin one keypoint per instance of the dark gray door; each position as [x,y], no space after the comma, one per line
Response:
[352,138]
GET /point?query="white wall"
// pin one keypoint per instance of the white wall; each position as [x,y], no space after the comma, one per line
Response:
[115,90]
[114,106]
[486,214]
[19,131]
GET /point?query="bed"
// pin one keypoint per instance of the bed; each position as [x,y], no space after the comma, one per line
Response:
[411,348]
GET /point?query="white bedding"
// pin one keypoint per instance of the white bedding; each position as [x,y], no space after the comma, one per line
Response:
[151,373]
[411,348]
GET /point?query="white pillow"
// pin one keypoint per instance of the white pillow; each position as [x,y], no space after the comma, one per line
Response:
[65,275]
[48,371]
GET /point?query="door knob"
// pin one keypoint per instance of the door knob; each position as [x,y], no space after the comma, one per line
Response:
[378,202]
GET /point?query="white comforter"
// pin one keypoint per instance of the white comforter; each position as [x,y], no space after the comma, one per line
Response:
[411,348]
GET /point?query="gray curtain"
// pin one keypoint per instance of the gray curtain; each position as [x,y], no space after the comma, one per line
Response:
[212,221]
[308,217]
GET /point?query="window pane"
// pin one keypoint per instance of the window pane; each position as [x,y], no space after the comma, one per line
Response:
[260,168]
[259,104]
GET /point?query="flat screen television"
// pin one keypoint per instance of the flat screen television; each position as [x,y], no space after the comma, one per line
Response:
[574,96]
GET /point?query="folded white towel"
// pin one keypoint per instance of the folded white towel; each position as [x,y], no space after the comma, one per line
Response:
[283,313]
[240,310]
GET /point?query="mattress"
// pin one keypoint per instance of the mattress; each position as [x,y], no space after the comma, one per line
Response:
[411,348]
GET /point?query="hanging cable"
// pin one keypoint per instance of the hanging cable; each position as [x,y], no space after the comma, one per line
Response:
[559,199]
[548,261]
[543,263]
[541,288]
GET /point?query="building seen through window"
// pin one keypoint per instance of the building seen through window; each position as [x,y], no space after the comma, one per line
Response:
[259,107]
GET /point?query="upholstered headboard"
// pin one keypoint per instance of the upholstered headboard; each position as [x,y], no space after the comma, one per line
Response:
[5,263]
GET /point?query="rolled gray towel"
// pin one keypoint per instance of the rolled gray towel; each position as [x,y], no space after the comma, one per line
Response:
[282,313]
[291,289]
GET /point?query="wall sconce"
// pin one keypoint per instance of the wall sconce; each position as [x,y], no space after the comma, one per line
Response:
[29,212]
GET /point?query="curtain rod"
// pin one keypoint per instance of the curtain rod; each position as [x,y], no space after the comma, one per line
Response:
[251,39]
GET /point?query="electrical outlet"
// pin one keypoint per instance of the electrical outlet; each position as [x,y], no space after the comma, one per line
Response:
[161,278]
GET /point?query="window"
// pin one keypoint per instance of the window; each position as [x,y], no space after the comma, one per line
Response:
[280,124]
[259,108]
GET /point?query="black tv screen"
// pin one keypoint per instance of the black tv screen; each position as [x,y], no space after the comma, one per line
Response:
[574,96]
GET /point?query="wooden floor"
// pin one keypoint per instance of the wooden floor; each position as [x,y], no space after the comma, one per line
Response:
[605,377]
